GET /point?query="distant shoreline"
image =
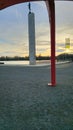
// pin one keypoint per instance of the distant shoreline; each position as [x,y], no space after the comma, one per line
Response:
[1,62]
[26,63]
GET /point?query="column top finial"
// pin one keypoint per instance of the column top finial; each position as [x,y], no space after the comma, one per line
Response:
[29,7]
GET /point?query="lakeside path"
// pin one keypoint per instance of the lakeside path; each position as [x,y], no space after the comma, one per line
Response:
[28,103]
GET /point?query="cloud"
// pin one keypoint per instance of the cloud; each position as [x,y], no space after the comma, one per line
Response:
[14,28]
[41,4]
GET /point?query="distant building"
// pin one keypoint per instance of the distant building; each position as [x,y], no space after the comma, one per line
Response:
[67,43]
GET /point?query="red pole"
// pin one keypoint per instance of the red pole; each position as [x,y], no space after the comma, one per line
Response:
[52,33]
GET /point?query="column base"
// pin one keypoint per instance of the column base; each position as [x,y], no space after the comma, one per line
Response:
[32,62]
[52,85]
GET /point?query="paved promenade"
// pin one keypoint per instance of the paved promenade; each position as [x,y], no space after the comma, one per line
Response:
[28,103]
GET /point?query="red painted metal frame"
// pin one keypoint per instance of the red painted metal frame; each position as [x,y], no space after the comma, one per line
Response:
[51,11]
[52,33]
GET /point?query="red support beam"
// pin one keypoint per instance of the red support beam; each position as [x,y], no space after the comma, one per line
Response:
[51,11]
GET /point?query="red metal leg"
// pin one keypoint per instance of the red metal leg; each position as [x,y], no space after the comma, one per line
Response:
[51,11]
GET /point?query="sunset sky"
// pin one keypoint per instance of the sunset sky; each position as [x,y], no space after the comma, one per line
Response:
[14,29]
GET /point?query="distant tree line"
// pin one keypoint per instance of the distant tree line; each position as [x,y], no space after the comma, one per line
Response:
[65,56]
[61,57]
[42,57]
[15,58]
[7,58]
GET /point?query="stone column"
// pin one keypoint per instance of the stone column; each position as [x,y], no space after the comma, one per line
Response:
[31,31]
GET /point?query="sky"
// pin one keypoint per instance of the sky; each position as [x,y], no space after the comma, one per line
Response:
[14,29]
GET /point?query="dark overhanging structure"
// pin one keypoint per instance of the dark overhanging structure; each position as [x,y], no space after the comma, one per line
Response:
[50,4]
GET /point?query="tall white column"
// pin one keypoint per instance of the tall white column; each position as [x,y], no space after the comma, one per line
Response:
[31,31]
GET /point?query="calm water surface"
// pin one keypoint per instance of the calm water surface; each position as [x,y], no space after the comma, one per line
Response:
[24,62]
[16,62]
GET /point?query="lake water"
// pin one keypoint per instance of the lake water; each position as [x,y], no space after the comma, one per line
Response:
[16,62]
[25,62]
